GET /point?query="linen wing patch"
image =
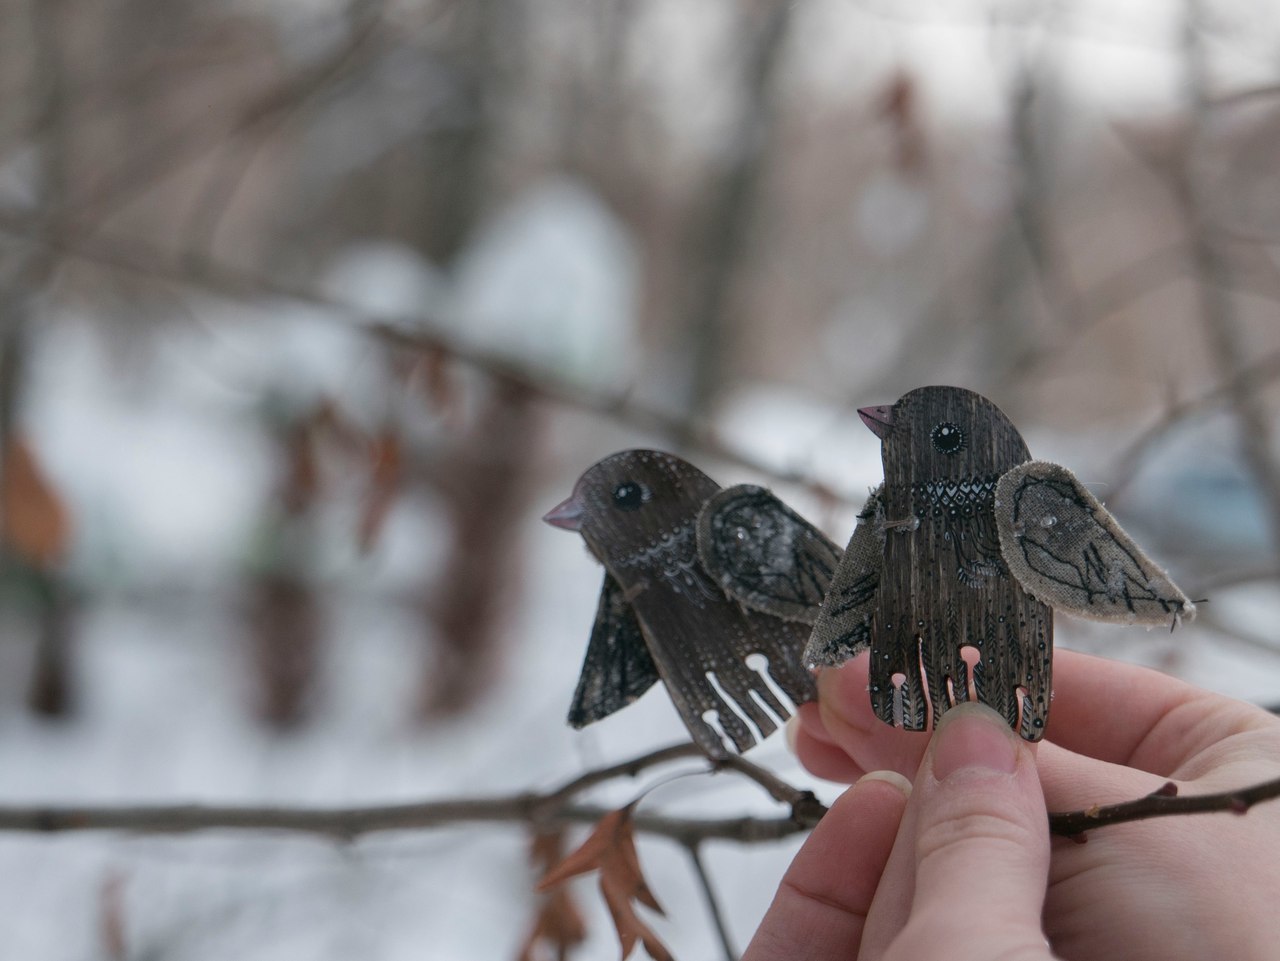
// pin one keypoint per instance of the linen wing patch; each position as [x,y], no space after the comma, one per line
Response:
[1067,550]
[765,555]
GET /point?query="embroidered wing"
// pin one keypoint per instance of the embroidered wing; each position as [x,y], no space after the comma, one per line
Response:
[1067,550]
[764,555]
[618,667]
[843,628]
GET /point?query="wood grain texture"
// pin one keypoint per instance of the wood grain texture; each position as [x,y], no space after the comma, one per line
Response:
[944,584]
[640,515]
[845,621]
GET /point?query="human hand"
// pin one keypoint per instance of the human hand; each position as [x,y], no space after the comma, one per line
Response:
[1165,888]
[955,872]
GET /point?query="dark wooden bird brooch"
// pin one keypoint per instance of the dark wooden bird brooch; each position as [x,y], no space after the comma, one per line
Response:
[670,539]
[966,549]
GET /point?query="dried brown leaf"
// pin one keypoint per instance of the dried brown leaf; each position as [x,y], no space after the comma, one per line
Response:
[111,917]
[331,424]
[558,925]
[438,382]
[610,849]
[385,461]
[37,525]
[301,481]
[897,105]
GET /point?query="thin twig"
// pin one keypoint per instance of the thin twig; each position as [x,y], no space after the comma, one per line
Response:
[541,809]
[713,903]
[804,804]
[143,169]
[1251,378]
[1213,271]
[344,824]
[629,768]
[413,333]
[1160,803]
[531,808]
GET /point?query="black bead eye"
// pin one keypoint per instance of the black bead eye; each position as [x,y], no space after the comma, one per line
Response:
[629,495]
[947,438]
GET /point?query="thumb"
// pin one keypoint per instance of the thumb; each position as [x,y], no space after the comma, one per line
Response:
[977,845]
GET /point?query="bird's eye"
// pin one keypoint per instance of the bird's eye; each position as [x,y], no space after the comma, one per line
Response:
[629,495]
[947,438]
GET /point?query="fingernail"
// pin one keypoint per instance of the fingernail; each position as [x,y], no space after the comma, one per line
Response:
[888,777]
[972,737]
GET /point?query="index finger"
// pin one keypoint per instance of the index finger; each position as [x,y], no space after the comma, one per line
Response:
[821,906]
[1114,712]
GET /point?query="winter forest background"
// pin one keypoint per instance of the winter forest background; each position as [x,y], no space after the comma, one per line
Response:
[310,308]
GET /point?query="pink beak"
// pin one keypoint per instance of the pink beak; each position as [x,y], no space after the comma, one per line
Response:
[567,514]
[879,419]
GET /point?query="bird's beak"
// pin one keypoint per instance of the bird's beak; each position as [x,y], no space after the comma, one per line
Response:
[567,514]
[879,419]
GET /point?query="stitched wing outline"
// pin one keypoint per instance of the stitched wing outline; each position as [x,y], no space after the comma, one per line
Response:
[618,667]
[1067,550]
[764,555]
[843,628]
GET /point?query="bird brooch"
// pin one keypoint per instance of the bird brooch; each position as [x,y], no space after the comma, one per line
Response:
[977,545]
[648,517]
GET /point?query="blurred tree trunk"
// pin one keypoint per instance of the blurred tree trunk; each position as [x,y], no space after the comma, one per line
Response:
[50,692]
[723,233]
[485,482]
[283,617]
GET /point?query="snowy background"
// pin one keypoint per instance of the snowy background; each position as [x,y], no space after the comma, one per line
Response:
[301,561]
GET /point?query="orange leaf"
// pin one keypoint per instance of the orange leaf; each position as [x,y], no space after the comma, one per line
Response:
[36,523]
[611,850]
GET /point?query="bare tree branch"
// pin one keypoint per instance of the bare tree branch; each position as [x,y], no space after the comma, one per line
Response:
[553,808]
[1218,313]
[1252,377]
[1160,803]
[713,903]
[344,824]
[539,809]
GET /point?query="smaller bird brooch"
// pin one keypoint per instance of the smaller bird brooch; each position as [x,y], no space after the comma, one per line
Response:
[670,538]
[960,558]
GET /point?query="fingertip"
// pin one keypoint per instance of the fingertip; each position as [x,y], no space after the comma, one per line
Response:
[981,803]
[841,685]
[791,730]
[825,760]
[808,718]
[973,739]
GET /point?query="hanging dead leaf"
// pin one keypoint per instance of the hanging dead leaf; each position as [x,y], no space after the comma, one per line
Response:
[384,484]
[897,105]
[301,479]
[37,525]
[438,382]
[111,925]
[611,850]
[558,925]
[332,426]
